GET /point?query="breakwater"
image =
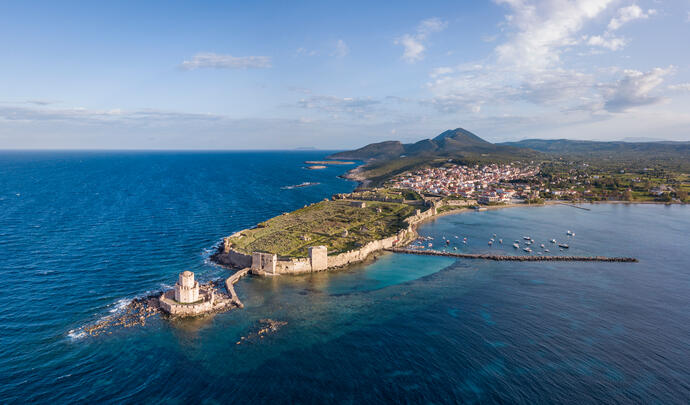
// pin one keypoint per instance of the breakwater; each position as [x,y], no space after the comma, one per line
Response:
[229,286]
[515,258]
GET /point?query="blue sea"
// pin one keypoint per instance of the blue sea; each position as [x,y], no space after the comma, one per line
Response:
[83,233]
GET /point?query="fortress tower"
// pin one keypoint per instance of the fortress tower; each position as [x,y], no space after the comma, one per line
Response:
[186,289]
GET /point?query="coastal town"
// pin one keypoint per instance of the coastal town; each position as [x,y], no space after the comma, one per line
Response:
[516,183]
[492,183]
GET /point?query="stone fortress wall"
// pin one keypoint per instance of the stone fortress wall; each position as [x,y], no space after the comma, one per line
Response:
[318,258]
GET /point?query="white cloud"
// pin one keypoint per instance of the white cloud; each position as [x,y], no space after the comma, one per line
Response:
[544,29]
[219,61]
[635,89]
[341,49]
[85,116]
[336,107]
[414,44]
[441,71]
[682,87]
[608,42]
[627,14]
[527,72]
[306,52]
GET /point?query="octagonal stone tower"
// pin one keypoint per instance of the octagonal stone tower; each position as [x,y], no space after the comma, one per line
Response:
[186,289]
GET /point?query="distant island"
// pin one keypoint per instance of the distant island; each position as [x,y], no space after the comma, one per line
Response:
[328,162]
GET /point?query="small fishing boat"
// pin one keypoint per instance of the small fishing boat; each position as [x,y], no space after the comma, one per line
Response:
[515,245]
[526,238]
[542,246]
[563,245]
[430,244]
[546,250]
[455,248]
[490,243]
[500,241]
[528,250]
[553,240]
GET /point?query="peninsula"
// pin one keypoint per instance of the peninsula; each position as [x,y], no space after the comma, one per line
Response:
[402,185]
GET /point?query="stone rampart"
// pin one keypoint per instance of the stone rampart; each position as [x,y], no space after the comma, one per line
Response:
[318,256]
[169,305]
[264,262]
[232,258]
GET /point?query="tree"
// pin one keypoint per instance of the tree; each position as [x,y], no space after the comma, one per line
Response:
[627,195]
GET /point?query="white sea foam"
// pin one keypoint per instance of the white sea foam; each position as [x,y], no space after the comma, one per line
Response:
[120,305]
[76,334]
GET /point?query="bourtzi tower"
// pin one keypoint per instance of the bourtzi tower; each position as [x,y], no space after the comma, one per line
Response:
[186,288]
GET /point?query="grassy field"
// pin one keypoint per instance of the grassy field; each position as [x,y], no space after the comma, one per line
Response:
[324,223]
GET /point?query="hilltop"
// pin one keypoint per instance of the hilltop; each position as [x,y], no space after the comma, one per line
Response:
[451,143]
[388,158]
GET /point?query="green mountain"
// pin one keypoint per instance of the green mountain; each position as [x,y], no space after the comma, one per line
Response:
[453,143]
[391,157]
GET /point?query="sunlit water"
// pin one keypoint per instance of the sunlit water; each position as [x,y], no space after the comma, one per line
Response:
[82,233]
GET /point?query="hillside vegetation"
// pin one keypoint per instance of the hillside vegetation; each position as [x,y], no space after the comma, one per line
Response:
[387,159]
[335,224]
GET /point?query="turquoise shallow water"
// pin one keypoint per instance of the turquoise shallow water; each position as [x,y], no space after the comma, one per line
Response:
[81,233]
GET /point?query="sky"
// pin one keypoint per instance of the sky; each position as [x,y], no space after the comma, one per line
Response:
[339,75]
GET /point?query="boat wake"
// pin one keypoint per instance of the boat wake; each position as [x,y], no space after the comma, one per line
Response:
[305,184]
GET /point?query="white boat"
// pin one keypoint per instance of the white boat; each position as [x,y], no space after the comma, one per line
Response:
[490,243]
[430,244]
[455,248]
[500,241]
[546,250]
[492,239]
[542,246]
[494,235]
[528,250]
[563,245]
[553,240]
[526,238]
[515,245]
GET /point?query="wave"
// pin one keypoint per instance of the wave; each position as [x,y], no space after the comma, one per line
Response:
[120,305]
